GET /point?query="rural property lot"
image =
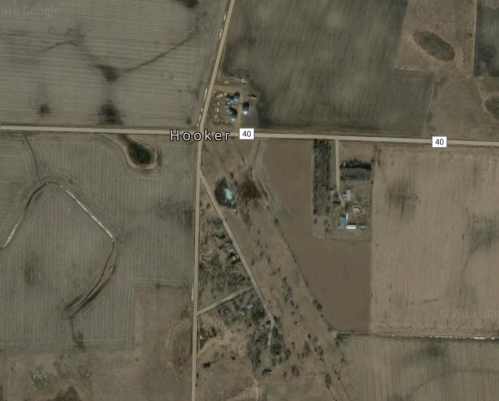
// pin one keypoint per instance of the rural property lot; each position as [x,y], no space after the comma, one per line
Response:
[337,272]
[132,62]
[93,202]
[278,274]
[434,251]
[326,62]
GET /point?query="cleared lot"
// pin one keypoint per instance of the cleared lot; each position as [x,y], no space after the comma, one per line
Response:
[381,369]
[61,244]
[435,231]
[134,62]
[326,63]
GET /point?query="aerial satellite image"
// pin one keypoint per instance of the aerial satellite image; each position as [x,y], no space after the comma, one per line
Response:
[249,200]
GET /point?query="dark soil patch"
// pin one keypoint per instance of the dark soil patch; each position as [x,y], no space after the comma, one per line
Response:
[109,114]
[436,349]
[69,395]
[44,110]
[189,3]
[483,233]
[139,153]
[32,276]
[356,163]
[248,190]
[434,45]
[77,336]
[486,45]
[400,196]
[492,106]
[432,354]
[110,73]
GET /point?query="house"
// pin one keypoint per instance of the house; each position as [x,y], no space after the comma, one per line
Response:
[343,221]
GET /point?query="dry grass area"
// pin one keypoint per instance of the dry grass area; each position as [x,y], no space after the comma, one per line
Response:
[139,189]
[453,21]
[42,270]
[393,369]
[157,367]
[335,61]
[132,62]
[457,42]
[233,345]
[435,234]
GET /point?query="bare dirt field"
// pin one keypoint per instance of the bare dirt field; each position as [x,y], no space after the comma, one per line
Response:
[435,231]
[92,63]
[344,79]
[157,367]
[85,219]
[384,369]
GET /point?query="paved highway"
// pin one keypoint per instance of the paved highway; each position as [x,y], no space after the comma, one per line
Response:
[261,135]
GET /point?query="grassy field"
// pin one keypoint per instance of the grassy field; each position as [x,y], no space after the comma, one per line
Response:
[59,248]
[435,231]
[142,63]
[150,370]
[487,45]
[327,63]
[452,21]
[231,346]
[381,369]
